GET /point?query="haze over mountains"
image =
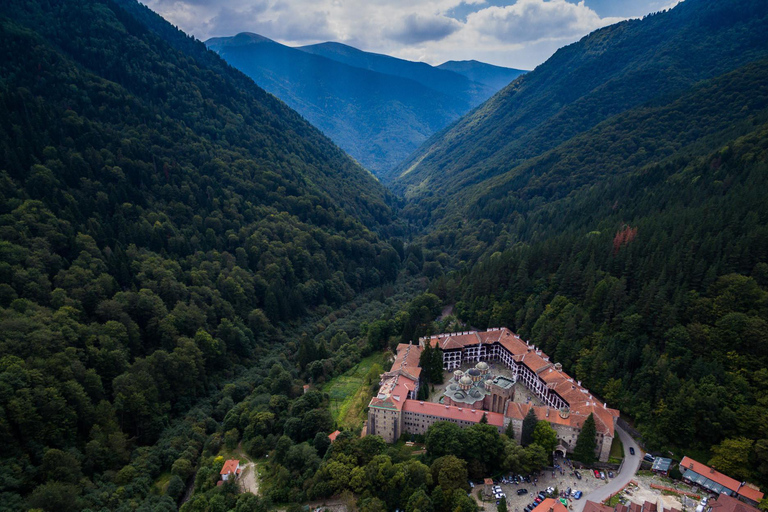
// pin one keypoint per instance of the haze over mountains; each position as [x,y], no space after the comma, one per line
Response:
[377,108]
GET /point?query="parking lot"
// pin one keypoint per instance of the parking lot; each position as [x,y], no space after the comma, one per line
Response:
[561,480]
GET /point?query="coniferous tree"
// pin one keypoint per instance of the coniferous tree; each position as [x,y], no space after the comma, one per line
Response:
[529,425]
[586,443]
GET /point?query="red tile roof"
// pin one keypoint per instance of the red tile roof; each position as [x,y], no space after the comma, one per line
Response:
[550,505]
[333,435]
[230,466]
[591,506]
[744,490]
[725,503]
[488,481]
[453,412]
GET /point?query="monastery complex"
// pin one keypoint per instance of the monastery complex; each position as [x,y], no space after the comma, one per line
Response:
[477,391]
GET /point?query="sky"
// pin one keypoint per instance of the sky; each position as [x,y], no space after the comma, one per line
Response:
[515,33]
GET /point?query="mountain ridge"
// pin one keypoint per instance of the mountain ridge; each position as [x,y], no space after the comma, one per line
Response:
[604,77]
[376,107]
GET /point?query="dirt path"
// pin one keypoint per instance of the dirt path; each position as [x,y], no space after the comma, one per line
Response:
[249,478]
[249,481]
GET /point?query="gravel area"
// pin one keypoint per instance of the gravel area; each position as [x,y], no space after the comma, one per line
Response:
[517,503]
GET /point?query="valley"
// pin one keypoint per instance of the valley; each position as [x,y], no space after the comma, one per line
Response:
[243,257]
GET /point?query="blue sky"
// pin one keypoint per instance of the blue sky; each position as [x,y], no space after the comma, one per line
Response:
[515,33]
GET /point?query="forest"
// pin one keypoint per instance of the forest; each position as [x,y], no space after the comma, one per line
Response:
[181,253]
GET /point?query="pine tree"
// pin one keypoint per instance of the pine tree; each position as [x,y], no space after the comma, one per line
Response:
[529,425]
[586,442]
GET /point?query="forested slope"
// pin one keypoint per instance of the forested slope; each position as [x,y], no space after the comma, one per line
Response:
[159,216]
[652,288]
[606,73]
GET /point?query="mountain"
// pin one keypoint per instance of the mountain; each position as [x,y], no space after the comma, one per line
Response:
[446,81]
[496,77]
[377,108]
[608,72]
[161,217]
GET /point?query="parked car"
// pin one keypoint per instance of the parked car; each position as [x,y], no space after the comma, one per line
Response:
[471,485]
[610,474]
[704,501]
[648,457]
[602,475]
[597,473]
[568,491]
[631,450]
[577,495]
[528,508]
[520,492]
[578,475]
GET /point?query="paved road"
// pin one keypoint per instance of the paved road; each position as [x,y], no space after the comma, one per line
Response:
[628,471]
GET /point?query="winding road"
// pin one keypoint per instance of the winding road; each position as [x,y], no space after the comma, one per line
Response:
[628,472]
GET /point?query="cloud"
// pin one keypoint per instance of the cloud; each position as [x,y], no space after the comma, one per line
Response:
[517,33]
[528,21]
[418,28]
[264,19]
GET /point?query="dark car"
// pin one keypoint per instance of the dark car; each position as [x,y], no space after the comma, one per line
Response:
[520,492]
[528,508]
[542,495]
[631,450]
[578,475]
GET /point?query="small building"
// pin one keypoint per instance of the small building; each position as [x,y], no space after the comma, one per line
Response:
[661,466]
[333,435]
[231,469]
[713,481]
[725,503]
[550,505]
[488,487]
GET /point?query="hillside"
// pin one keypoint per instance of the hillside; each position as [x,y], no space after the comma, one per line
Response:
[606,73]
[495,76]
[446,81]
[161,218]
[377,108]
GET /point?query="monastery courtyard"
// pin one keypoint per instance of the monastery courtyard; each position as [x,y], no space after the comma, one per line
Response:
[497,369]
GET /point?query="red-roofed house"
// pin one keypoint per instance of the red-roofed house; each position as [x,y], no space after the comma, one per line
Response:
[725,503]
[231,469]
[550,505]
[712,480]
[333,435]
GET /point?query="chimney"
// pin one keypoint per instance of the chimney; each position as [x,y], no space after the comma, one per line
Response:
[711,470]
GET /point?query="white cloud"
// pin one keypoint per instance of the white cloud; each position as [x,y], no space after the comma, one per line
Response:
[518,33]
[528,21]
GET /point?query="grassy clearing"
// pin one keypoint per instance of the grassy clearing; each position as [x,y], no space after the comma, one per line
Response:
[350,393]
[161,484]
[617,449]
[613,500]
